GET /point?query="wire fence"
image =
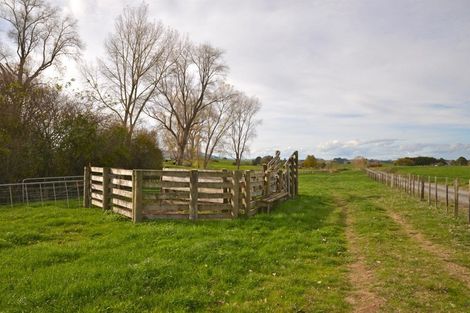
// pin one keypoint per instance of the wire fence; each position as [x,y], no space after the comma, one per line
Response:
[42,191]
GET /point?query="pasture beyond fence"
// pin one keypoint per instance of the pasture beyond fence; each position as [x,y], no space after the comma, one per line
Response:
[191,194]
[427,188]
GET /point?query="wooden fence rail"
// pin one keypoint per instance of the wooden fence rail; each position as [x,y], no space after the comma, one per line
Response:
[427,189]
[190,194]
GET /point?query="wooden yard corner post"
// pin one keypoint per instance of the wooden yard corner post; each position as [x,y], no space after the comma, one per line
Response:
[106,180]
[137,190]
[237,175]
[86,186]
[193,194]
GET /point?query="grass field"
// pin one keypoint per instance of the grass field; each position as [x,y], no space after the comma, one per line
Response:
[343,237]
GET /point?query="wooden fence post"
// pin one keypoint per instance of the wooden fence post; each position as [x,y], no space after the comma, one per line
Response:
[236,193]
[469,201]
[429,190]
[247,191]
[447,195]
[456,198]
[137,191]
[86,186]
[106,197]
[265,180]
[193,194]
[422,189]
[435,191]
[225,180]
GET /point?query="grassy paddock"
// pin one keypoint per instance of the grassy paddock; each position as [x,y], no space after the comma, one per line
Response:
[293,260]
[56,259]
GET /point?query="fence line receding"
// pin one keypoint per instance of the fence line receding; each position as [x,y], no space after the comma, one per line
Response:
[426,188]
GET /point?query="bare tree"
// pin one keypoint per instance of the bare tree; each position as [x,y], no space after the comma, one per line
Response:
[244,127]
[217,120]
[41,36]
[137,58]
[185,93]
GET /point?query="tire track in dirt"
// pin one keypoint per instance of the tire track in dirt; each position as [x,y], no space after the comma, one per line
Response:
[362,298]
[459,272]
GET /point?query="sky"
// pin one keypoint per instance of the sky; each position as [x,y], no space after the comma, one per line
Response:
[380,79]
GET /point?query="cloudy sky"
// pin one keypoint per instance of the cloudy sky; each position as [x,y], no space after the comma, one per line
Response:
[381,79]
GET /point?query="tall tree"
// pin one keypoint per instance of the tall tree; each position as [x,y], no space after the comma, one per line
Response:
[40,35]
[185,93]
[244,127]
[137,58]
[217,121]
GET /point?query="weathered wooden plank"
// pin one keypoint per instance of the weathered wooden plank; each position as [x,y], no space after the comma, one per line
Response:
[149,207]
[174,173]
[214,174]
[183,195]
[97,203]
[121,182]
[123,203]
[215,185]
[96,169]
[97,196]
[122,193]
[118,171]
[214,195]
[214,207]
[121,211]
[166,184]
[97,178]
[96,187]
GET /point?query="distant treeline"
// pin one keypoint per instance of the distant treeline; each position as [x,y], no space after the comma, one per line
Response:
[422,160]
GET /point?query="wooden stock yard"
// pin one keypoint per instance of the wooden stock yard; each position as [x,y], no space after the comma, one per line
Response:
[191,194]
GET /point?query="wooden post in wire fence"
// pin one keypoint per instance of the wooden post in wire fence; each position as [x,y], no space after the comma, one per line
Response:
[447,195]
[456,197]
[429,190]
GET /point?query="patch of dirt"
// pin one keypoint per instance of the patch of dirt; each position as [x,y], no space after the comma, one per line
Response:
[458,271]
[362,298]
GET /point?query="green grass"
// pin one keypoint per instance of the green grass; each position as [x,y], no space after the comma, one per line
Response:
[56,260]
[293,260]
